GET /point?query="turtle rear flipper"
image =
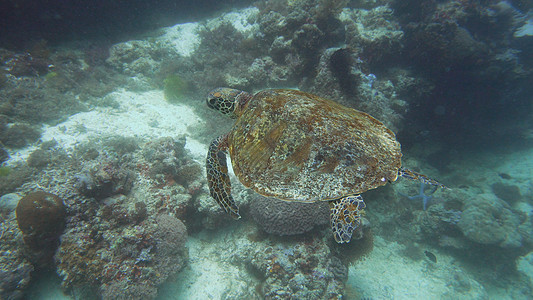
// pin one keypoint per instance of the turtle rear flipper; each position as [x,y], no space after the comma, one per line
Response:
[218,179]
[406,173]
[345,216]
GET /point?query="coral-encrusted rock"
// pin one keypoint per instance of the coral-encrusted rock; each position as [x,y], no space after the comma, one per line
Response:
[300,271]
[101,179]
[373,31]
[488,220]
[170,237]
[288,218]
[272,24]
[339,77]
[19,135]
[336,80]
[170,161]
[41,217]
[212,216]
[15,269]
[112,258]
[132,57]
[308,38]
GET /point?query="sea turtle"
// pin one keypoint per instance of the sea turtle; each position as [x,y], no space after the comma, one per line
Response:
[296,146]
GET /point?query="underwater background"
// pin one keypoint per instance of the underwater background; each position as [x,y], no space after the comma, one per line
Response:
[104,131]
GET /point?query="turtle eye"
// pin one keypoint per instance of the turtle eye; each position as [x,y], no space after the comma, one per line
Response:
[212,102]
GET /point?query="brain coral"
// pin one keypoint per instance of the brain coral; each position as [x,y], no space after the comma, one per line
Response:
[488,220]
[41,217]
[288,218]
[41,214]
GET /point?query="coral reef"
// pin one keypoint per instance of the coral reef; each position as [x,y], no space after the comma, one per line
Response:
[50,83]
[3,154]
[118,254]
[466,46]
[19,135]
[17,176]
[4,171]
[375,33]
[450,72]
[350,253]
[269,46]
[132,58]
[170,163]
[336,78]
[29,64]
[288,218]
[299,271]
[122,237]
[440,225]
[103,178]
[15,268]
[372,40]
[47,153]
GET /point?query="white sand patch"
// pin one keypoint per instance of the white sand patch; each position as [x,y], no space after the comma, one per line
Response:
[524,265]
[209,275]
[519,165]
[385,274]
[487,168]
[242,20]
[183,38]
[145,115]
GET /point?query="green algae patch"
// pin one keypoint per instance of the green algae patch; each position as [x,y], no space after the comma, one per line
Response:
[175,88]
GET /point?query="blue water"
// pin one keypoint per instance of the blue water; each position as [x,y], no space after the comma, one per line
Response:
[104,106]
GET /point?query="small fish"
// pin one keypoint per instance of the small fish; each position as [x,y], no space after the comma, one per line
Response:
[505,175]
[431,256]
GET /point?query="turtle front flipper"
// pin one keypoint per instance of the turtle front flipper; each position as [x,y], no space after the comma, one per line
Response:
[406,173]
[346,216]
[217,177]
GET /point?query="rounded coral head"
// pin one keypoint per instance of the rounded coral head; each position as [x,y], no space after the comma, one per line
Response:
[41,218]
[41,214]
[228,101]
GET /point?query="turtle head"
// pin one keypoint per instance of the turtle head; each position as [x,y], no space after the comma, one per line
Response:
[228,101]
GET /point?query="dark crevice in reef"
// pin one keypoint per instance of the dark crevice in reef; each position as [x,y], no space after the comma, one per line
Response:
[341,62]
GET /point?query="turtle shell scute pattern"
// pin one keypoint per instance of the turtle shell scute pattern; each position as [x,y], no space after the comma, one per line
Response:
[299,147]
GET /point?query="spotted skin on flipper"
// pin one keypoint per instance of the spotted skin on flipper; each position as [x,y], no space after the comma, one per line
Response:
[345,216]
[218,179]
